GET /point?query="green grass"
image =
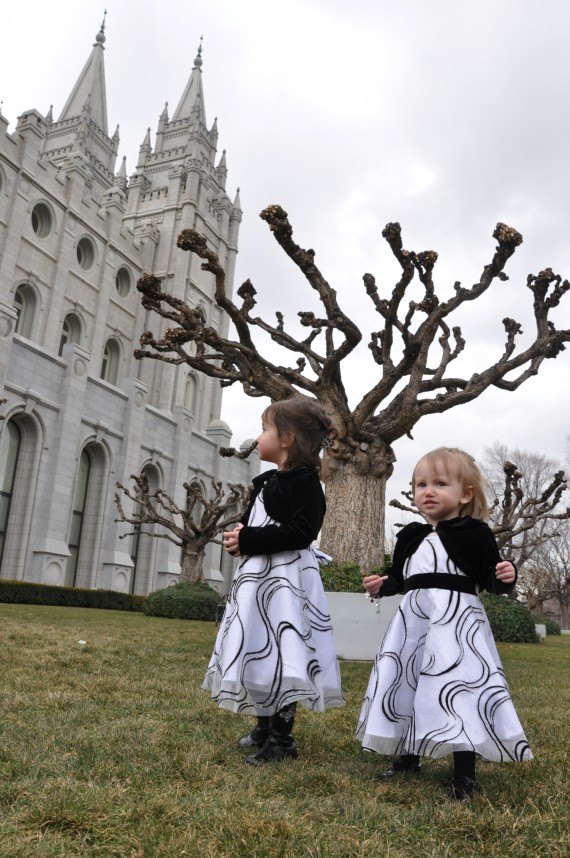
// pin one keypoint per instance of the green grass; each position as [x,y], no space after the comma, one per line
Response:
[112,749]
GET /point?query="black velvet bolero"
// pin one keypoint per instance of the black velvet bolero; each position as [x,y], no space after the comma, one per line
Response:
[294,499]
[469,543]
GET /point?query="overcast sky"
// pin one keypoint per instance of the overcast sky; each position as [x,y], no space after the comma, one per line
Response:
[445,115]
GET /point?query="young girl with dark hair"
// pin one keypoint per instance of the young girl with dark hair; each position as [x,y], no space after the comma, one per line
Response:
[275,647]
[437,686]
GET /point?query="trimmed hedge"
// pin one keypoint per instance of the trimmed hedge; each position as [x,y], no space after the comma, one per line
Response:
[346,577]
[510,621]
[29,593]
[552,628]
[183,602]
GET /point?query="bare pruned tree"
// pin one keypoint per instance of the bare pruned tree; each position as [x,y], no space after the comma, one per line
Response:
[406,385]
[191,527]
[547,576]
[527,509]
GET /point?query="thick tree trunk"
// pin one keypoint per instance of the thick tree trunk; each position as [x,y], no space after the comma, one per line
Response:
[191,570]
[354,524]
[535,606]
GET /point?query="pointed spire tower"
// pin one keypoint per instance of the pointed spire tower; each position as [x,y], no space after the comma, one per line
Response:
[82,127]
[183,160]
[188,124]
[180,184]
[192,101]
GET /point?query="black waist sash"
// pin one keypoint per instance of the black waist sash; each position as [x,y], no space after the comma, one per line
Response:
[440,581]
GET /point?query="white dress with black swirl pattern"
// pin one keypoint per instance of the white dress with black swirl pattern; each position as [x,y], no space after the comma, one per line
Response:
[437,684]
[275,643]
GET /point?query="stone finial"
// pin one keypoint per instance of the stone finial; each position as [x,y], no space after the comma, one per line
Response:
[198,61]
[100,37]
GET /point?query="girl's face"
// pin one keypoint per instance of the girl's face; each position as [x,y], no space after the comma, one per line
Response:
[437,495]
[270,446]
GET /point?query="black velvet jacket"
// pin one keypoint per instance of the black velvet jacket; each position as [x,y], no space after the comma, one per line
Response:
[296,501]
[469,543]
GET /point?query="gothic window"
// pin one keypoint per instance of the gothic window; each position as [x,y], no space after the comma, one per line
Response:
[197,509]
[190,393]
[9,449]
[77,516]
[135,544]
[42,220]
[123,281]
[70,332]
[111,360]
[86,253]
[25,306]
[143,543]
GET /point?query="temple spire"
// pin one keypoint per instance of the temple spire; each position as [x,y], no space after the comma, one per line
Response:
[90,86]
[192,100]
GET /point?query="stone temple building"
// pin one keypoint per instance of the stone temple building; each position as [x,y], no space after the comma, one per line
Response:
[81,413]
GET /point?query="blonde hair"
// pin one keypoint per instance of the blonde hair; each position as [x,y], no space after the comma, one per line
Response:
[460,465]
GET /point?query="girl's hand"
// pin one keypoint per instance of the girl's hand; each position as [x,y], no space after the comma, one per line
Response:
[231,541]
[505,572]
[373,583]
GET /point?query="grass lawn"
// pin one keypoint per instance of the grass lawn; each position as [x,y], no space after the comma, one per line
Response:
[110,748]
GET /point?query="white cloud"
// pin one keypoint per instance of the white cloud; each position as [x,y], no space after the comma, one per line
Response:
[420,178]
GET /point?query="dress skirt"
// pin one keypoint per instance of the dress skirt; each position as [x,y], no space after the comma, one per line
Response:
[437,684]
[275,643]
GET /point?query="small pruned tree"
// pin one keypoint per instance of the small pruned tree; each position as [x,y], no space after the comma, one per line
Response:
[547,576]
[413,351]
[527,508]
[191,527]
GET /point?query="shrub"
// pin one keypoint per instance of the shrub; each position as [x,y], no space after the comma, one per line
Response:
[552,628]
[346,577]
[510,621]
[183,602]
[30,593]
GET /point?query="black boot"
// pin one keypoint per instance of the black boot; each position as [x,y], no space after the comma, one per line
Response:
[258,736]
[280,744]
[464,784]
[408,764]
[463,788]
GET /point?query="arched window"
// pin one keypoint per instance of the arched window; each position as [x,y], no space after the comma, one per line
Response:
[194,491]
[70,331]
[9,450]
[143,543]
[77,516]
[195,505]
[190,393]
[111,360]
[25,306]
[135,543]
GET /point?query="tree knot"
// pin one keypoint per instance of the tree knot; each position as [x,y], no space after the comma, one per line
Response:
[189,239]
[507,235]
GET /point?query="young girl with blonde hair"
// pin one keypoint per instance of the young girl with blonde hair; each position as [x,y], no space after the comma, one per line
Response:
[437,686]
